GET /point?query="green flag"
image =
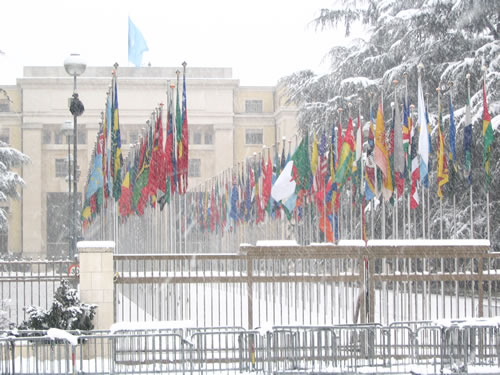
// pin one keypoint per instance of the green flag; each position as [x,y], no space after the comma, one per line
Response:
[301,165]
[488,138]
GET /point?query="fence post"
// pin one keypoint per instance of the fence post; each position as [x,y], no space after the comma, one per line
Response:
[96,279]
[371,288]
[250,291]
[480,286]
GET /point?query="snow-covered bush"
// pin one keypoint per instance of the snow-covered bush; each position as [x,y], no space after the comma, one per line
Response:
[66,312]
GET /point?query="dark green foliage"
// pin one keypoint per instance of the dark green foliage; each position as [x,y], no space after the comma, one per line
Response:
[66,312]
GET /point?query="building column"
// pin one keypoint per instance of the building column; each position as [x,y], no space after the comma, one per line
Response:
[96,279]
[33,204]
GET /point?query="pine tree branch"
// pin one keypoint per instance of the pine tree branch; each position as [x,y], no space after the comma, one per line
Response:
[492,29]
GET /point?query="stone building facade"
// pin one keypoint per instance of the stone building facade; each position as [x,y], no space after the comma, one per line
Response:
[227,123]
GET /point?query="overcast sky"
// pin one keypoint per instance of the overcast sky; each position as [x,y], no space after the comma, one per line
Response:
[262,40]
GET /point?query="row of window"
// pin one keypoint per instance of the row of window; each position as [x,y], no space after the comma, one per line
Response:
[201,135]
[62,167]
[253,106]
[59,137]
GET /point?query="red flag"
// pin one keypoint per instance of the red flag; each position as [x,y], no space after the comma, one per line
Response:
[169,153]
[268,182]
[156,161]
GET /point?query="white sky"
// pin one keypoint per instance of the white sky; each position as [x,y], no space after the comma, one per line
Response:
[262,40]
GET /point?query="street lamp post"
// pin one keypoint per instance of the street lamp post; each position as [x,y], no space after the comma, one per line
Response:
[67,129]
[75,66]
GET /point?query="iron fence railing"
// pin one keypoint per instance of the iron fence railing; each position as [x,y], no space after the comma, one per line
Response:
[455,346]
[26,282]
[310,285]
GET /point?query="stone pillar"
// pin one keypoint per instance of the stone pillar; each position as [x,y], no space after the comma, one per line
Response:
[34,194]
[96,279]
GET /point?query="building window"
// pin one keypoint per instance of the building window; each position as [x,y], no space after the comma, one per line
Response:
[5,136]
[197,137]
[46,137]
[209,137]
[60,138]
[194,168]
[253,106]
[61,168]
[254,136]
[4,105]
[82,136]
[201,135]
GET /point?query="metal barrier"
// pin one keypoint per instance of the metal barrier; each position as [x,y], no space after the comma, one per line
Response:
[468,347]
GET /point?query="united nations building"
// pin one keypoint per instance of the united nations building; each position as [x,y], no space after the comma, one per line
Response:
[227,123]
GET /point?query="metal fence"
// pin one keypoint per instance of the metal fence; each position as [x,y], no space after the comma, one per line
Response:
[310,285]
[457,346]
[31,283]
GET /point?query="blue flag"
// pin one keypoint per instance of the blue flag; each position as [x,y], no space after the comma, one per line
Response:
[96,177]
[136,44]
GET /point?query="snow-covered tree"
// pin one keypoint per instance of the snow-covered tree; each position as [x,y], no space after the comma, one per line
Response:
[451,38]
[10,181]
[66,312]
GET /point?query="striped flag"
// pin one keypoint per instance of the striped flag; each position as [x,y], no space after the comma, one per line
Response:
[468,142]
[314,163]
[415,169]
[487,138]
[442,171]
[406,139]
[345,157]
[399,152]
[382,155]
[370,189]
[423,139]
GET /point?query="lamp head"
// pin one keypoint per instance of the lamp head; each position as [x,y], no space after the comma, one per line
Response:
[75,65]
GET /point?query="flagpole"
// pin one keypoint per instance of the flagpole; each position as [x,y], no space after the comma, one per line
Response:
[438,89]
[428,189]
[338,223]
[349,105]
[372,213]
[362,176]
[396,203]
[383,198]
[450,84]
[420,67]
[403,195]
[470,170]
[408,153]
[483,68]
[325,217]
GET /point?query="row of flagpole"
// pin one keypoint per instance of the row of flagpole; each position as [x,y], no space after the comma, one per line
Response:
[289,197]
